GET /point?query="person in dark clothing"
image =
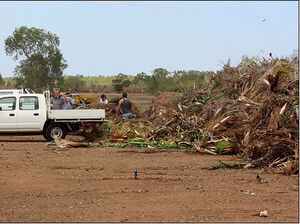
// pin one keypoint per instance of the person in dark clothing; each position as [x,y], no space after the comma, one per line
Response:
[125,106]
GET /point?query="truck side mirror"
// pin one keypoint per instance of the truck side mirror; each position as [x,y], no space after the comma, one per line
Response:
[0,108]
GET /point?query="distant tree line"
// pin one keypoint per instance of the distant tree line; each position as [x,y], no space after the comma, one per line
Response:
[160,80]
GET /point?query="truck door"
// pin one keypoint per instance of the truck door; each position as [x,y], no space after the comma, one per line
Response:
[29,116]
[8,114]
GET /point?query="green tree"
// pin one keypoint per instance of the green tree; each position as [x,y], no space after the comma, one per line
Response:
[8,82]
[42,64]
[185,80]
[159,81]
[140,77]
[1,79]
[248,62]
[73,82]
[120,81]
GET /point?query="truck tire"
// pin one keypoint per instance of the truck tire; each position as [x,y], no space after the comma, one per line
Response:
[55,130]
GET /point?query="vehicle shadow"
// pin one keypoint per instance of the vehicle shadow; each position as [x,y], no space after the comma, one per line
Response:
[22,140]
[34,138]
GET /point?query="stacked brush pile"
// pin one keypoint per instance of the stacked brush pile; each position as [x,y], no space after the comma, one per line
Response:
[250,110]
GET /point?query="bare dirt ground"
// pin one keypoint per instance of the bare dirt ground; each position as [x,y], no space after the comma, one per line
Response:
[43,184]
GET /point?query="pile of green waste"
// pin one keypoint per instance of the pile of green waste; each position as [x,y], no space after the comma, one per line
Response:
[121,131]
[142,143]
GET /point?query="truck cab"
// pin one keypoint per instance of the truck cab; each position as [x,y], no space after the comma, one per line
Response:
[22,112]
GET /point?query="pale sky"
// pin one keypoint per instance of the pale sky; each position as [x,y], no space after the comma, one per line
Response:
[107,38]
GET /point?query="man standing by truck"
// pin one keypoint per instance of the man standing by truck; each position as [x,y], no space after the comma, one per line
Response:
[125,106]
[58,100]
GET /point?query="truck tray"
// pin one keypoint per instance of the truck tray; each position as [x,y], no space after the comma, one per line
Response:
[78,115]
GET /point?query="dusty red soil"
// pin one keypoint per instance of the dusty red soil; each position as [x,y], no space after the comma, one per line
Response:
[43,184]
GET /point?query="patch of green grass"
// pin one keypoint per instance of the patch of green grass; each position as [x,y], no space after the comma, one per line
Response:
[222,165]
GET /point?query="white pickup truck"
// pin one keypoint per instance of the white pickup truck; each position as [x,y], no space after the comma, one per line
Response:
[31,114]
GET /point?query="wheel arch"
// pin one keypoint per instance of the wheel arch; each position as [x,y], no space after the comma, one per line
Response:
[48,122]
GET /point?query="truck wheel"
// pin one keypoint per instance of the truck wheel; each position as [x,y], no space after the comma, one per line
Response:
[55,130]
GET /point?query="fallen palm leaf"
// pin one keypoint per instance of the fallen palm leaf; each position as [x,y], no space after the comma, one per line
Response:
[62,143]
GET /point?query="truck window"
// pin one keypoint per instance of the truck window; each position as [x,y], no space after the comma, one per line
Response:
[29,103]
[8,103]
